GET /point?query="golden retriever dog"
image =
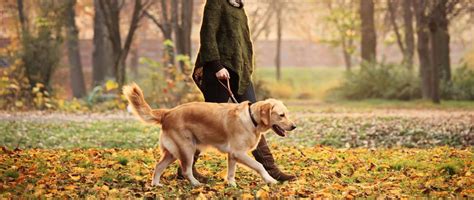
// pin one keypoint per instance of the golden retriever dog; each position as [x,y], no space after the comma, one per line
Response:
[234,129]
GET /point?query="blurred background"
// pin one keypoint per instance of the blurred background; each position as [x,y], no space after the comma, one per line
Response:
[76,54]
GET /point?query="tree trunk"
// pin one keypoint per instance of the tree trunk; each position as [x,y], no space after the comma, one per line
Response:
[369,37]
[435,64]
[111,10]
[182,16]
[409,36]
[166,27]
[187,23]
[21,15]
[393,20]
[423,48]
[444,40]
[102,63]
[440,34]
[347,56]
[111,15]
[74,54]
[134,61]
[278,44]
[176,27]
[438,27]
[120,73]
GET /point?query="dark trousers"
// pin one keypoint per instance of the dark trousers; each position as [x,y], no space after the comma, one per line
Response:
[213,91]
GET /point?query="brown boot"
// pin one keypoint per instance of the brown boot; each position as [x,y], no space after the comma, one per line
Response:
[263,155]
[196,174]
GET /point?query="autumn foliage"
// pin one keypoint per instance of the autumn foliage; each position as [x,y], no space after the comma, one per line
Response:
[322,172]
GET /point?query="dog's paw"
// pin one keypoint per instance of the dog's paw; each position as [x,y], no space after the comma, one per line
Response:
[271,181]
[232,183]
[156,184]
[197,184]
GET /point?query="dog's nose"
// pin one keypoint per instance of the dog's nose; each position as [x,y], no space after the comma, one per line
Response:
[293,127]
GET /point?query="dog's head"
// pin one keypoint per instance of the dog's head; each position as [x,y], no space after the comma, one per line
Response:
[274,115]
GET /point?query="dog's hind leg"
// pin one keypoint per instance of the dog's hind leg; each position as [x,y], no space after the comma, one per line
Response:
[186,156]
[243,158]
[166,160]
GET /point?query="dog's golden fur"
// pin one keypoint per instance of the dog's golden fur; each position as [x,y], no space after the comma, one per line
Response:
[224,126]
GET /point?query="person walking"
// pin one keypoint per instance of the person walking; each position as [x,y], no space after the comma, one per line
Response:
[226,52]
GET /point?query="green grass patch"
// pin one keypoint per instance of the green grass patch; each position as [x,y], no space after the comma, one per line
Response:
[450,168]
[12,174]
[72,134]
[301,82]
[323,127]
[369,105]
[122,160]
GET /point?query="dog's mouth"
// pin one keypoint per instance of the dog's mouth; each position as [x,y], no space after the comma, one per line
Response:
[278,130]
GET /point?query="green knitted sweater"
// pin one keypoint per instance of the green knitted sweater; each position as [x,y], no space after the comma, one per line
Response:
[225,41]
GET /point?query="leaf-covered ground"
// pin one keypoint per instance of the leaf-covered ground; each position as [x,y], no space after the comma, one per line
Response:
[336,152]
[322,172]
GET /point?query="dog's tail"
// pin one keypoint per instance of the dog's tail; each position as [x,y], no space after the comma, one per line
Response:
[139,107]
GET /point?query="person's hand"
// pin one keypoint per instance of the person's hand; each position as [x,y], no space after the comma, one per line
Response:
[223,74]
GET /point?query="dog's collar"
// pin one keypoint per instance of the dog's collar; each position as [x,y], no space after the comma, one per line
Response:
[251,116]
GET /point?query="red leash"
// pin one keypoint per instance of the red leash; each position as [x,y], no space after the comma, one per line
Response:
[229,91]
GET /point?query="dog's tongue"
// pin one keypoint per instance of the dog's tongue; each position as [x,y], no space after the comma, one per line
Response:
[279,131]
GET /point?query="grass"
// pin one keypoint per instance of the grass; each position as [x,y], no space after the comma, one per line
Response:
[370,105]
[72,134]
[301,83]
[317,125]
[312,85]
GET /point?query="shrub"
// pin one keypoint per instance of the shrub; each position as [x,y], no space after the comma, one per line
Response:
[461,86]
[34,52]
[261,89]
[282,90]
[105,97]
[168,86]
[379,80]
[16,90]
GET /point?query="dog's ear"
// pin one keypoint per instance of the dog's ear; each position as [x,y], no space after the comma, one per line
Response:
[265,113]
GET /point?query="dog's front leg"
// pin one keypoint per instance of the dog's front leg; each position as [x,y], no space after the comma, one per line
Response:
[243,158]
[231,166]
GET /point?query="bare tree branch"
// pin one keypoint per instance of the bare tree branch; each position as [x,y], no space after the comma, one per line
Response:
[393,21]
[155,21]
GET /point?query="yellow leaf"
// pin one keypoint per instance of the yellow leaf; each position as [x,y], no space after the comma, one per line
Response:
[113,191]
[75,177]
[39,192]
[70,187]
[337,186]
[110,85]
[201,196]
[18,104]
[262,193]
[105,188]
[138,178]
[246,196]
[39,85]
[78,169]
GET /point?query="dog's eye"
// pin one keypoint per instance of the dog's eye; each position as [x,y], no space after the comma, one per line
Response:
[282,115]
